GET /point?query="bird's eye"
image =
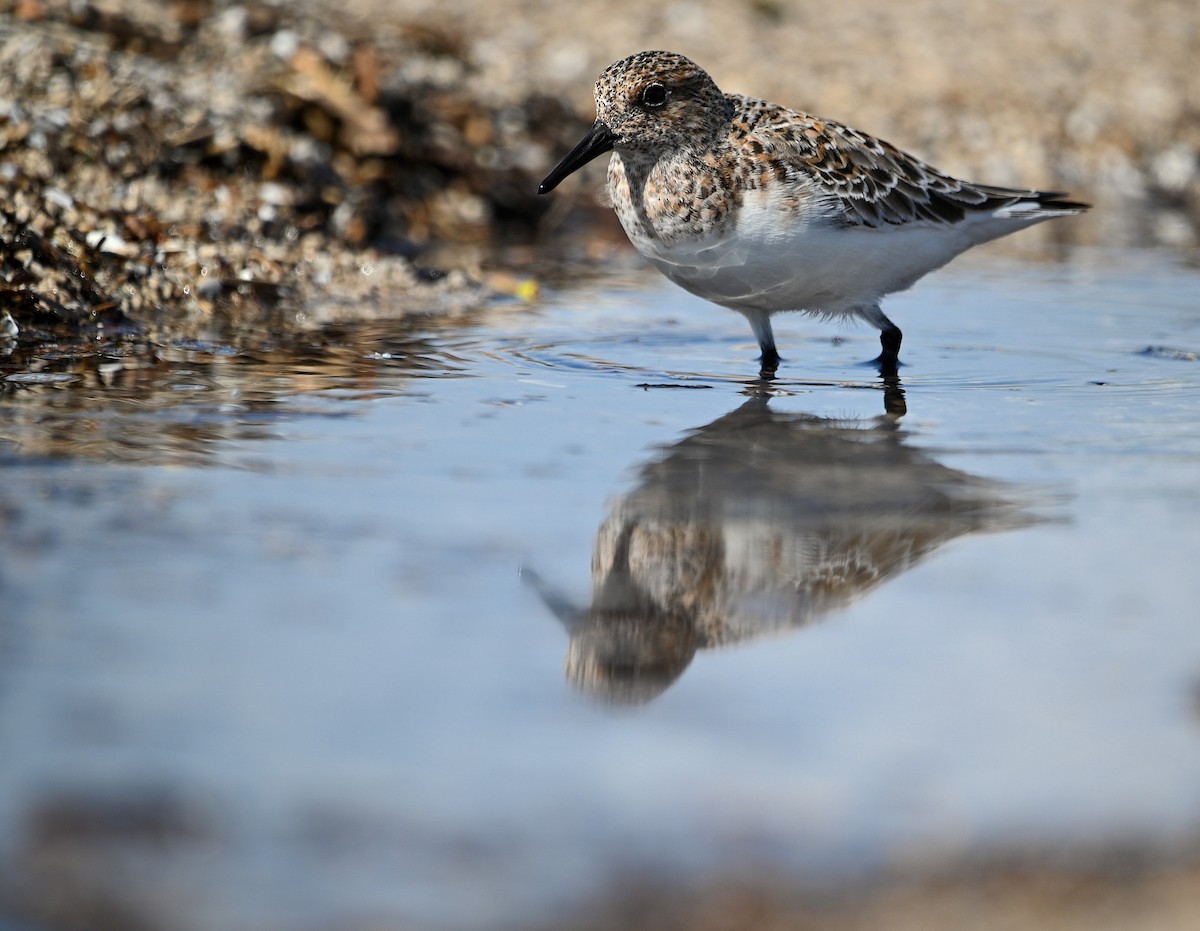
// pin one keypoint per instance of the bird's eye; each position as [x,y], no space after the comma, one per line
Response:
[654,95]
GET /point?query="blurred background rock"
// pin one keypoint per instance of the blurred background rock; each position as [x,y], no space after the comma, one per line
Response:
[188,165]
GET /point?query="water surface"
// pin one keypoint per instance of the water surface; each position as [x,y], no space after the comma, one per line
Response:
[446,627]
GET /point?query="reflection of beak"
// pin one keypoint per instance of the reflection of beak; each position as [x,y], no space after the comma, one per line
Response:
[599,139]
[567,613]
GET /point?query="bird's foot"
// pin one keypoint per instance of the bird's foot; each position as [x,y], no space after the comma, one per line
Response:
[768,364]
[887,366]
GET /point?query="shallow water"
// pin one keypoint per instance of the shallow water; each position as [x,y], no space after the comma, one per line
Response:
[448,628]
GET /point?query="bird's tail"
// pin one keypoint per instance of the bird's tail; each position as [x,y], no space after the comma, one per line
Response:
[1034,205]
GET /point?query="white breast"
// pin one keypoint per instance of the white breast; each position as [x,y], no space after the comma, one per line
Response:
[781,257]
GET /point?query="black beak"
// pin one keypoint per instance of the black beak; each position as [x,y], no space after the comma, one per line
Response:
[599,139]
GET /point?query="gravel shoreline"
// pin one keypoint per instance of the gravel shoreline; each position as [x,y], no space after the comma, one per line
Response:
[243,173]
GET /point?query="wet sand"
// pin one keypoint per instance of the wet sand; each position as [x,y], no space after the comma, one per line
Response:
[1027,893]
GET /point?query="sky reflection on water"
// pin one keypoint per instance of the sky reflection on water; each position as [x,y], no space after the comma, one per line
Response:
[266,653]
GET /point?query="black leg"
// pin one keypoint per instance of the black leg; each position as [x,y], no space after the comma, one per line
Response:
[760,323]
[768,363]
[889,338]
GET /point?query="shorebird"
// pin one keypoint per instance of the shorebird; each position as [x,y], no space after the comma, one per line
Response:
[763,209]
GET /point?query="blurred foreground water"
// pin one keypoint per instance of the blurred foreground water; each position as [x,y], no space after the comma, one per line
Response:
[450,628]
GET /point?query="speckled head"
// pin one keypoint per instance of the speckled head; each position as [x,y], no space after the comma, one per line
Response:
[649,102]
[657,100]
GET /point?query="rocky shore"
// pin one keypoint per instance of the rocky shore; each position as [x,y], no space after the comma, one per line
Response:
[217,171]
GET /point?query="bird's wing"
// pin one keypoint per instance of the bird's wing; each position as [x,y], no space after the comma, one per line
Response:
[864,181]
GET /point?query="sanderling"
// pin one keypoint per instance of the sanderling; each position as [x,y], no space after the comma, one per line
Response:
[762,209]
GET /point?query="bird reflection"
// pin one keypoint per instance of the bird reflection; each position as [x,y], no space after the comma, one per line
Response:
[758,523]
